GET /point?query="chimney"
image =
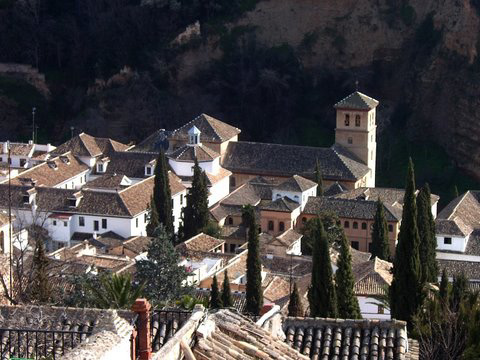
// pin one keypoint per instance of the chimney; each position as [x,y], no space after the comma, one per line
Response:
[49,147]
[142,308]
[5,147]
[95,235]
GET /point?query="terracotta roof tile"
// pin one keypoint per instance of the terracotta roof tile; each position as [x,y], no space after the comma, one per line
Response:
[87,145]
[189,153]
[129,163]
[357,101]
[200,242]
[283,204]
[212,130]
[296,183]
[19,149]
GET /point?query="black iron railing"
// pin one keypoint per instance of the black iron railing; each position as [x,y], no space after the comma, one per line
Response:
[165,323]
[35,344]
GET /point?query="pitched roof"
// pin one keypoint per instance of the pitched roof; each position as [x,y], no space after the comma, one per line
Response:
[108,181]
[470,269]
[154,143]
[296,183]
[18,149]
[189,153]
[87,145]
[336,163]
[464,211]
[455,227]
[345,208]
[350,339]
[372,277]
[234,336]
[283,204]
[334,189]
[212,130]
[53,172]
[200,242]
[357,101]
[129,163]
[175,182]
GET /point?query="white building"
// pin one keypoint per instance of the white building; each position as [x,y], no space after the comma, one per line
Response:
[24,155]
[296,188]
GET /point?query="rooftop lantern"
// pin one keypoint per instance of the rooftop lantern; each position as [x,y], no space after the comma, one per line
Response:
[194,136]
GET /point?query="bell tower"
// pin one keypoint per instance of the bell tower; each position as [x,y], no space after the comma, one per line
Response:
[356,129]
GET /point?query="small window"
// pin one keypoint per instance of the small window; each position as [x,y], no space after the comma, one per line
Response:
[369,247]
[85,178]
[355,225]
[1,159]
[347,120]
[72,202]
[229,220]
[232,248]
[136,222]
[270,225]
[22,162]
[281,226]
[355,245]
[181,199]
[65,224]
[296,198]
[81,221]
[350,140]
[26,199]
[54,222]
[346,224]
[95,225]
[447,241]
[104,223]
[173,204]
[357,120]
[100,168]
[232,181]
[145,218]
[304,220]
[390,228]
[364,226]
[381,309]
[148,170]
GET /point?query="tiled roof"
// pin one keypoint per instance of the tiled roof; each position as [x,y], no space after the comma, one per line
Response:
[52,172]
[357,101]
[470,269]
[129,163]
[334,189]
[464,211]
[296,183]
[154,143]
[283,204]
[289,237]
[336,163]
[107,240]
[175,182]
[108,181]
[87,145]
[239,299]
[137,244]
[454,227]
[46,198]
[200,242]
[237,337]
[298,266]
[220,175]
[3,218]
[353,209]
[189,153]
[327,339]
[18,149]
[212,130]
[372,277]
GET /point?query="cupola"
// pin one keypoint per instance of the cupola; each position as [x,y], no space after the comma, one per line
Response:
[194,136]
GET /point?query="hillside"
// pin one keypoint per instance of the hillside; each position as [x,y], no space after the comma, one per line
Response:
[272,67]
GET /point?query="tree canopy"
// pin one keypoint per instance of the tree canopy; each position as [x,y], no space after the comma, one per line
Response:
[380,241]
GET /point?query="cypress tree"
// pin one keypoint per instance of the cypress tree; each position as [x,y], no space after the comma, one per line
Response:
[161,204]
[153,223]
[195,214]
[406,287]
[295,307]
[347,302]
[426,232]
[254,293]
[321,295]
[318,179]
[41,286]
[215,301]
[443,291]
[227,299]
[380,241]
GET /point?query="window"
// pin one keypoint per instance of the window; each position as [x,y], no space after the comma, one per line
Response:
[26,199]
[295,198]
[95,225]
[279,196]
[81,221]
[232,248]
[270,225]
[347,120]
[23,162]
[72,202]
[355,225]
[232,181]
[136,222]
[104,223]
[447,241]
[54,222]
[350,140]
[364,226]
[173,204]
[65,224]
[85,178]
[357,120]
[390,228]
[229,220]
[148,170]
[381,309]
[304,220]
[346,224]
[355,245]
[281,226]
[369,247]
[181,199]
[100,168]
[145,218]
[1,159]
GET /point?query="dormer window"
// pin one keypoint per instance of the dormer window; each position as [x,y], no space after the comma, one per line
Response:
[100,168]
[148,170]
[194,136]
[26,199]
[72,202]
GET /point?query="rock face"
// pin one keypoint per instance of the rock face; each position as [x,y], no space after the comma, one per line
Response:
[425,50]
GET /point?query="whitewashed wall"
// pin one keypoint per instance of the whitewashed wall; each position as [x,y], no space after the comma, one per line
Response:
[75,182]
[302,197]
[458,243]
[219,190]
[370,311]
